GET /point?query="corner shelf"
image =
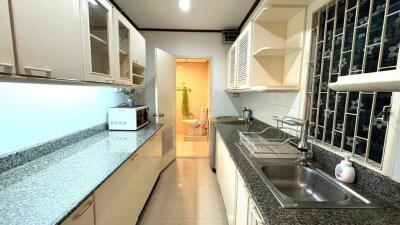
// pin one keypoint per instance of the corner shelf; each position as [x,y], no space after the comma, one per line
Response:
[279,13]
[268,51]
[138,74]
[277,45]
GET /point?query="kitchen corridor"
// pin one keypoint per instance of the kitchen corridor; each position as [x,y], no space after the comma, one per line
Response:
[186,194]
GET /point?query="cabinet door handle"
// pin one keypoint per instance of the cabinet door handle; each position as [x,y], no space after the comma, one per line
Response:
[81,213]
[256,215]
[133,158]
[47,71]
[158,115]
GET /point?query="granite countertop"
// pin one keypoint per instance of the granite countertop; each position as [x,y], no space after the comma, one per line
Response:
[48,189]
[271,210]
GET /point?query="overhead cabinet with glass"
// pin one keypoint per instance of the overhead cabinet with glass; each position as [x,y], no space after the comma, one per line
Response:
[79,40]
[98,41]
[269,51]
[123,53]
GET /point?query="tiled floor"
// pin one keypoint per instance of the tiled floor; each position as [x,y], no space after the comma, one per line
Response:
[186,194]
[191,148]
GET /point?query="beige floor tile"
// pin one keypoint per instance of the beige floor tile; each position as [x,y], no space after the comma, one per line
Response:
[187,193]
[205,221]
[198,149]
[169,222]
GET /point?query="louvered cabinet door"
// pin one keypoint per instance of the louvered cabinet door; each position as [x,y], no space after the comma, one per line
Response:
[233,66]
[243,60]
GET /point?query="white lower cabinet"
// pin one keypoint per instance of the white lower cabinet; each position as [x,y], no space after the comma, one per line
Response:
[240,207]
[121,198]
[254,217]
[226,175]
[242,202]
[83,215]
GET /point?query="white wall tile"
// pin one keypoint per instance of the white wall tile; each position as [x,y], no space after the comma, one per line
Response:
[265,105]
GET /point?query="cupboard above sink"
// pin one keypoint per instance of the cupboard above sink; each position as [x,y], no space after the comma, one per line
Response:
[267,56]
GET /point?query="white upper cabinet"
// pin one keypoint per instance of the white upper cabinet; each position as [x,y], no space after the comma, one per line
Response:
[139,48]
[270,51]
[48,38]
[7,64]
[98,45]
[231,57]
[123,31]
[243,59]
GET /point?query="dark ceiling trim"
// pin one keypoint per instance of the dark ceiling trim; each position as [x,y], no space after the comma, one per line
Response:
[251,10]
[124,14]
[253,7]
[180,30]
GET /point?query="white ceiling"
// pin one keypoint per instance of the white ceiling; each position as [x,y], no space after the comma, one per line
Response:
[204,14]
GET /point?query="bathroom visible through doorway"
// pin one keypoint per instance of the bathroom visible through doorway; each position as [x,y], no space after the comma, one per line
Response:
[192,107]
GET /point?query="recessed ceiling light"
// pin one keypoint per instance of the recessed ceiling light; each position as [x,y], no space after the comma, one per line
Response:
[184,5]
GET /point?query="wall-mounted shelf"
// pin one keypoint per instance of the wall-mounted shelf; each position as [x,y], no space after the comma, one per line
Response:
[263,89]
[385,81]
[268,51]
[279,13]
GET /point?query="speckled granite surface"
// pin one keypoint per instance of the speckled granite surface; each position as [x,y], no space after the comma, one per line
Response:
[31,153]
[274,214]
[46,190]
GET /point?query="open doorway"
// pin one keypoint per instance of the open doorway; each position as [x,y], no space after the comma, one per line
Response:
[192,107]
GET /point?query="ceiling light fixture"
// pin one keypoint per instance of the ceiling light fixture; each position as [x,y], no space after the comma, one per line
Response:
[184,5]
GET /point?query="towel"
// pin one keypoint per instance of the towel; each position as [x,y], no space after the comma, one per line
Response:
[185,102]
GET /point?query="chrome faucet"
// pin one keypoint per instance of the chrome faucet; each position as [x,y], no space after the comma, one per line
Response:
[302,146]
[249,114]
[304,124]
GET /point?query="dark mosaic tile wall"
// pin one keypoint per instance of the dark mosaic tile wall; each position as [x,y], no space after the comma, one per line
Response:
[352,37]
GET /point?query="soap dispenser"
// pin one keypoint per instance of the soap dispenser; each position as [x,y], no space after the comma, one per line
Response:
[344,171]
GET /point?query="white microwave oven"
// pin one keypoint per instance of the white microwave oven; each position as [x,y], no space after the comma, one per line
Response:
[128,117]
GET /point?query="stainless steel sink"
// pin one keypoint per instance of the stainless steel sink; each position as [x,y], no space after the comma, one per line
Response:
[303,184]
[297,186]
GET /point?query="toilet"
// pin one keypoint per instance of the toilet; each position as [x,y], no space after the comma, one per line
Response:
[197,127]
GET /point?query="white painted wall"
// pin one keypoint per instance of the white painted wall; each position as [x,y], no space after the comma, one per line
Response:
[187,44]
[33,113]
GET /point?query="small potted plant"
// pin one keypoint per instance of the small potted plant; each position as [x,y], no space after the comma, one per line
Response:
[130,93]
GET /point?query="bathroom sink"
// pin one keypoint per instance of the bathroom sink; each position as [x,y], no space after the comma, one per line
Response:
[296,186]
[229,120]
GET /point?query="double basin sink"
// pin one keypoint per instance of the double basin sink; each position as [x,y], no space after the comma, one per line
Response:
[296,186]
